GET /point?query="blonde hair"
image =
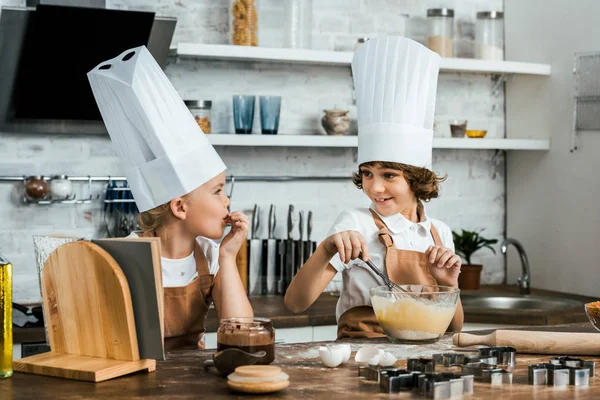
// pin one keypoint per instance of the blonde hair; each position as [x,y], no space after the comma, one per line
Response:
[155,219]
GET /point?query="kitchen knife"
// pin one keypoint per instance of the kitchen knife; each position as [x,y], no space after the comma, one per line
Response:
[270,255]
[308,246]
[280,267]
[532,342]
[255,249]
[289,250]
[300,244]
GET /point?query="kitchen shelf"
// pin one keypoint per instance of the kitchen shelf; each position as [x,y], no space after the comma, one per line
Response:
[352,141]
[319,57]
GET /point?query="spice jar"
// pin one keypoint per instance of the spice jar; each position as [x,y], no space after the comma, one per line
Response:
[201,111]
[248,334]
[245,23]
[441,31]
[61,187]
[36,188]
[336,122]
[489,35]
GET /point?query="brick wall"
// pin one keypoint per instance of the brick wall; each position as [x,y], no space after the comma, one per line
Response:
[472,197]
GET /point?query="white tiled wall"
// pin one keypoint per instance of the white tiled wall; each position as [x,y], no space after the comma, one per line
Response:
[473,196]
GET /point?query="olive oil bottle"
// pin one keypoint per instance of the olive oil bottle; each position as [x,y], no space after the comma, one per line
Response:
[6,334]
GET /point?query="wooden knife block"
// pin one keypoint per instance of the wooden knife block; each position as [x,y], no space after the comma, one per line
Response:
[89,315]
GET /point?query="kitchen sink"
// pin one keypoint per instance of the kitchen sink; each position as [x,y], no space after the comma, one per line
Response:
[496,302]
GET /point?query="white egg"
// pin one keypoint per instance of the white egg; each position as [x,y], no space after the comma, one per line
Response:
[345,348]
[365,354]
[330,356]
[387,359]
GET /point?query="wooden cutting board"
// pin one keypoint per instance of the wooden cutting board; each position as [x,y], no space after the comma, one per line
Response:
[536,342]
[87,304]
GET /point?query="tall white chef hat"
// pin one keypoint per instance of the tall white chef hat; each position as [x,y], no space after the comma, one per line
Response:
[395,79]
[162,148]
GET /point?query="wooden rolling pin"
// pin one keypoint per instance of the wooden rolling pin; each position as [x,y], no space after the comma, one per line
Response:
[532,342]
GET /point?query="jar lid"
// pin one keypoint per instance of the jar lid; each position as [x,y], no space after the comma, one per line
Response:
[490,15]
[440,12]
[59,177]
[40,177]
[202,104]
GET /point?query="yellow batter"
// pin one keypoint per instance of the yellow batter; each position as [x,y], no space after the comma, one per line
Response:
[407,318]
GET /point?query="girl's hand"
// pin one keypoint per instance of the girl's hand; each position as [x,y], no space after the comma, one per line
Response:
[230,245]
[349,244]
[444,265]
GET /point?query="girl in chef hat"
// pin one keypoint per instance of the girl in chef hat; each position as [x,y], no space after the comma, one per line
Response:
[177,180]
[395,81]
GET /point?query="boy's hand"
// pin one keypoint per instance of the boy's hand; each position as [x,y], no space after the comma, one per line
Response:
[239,232]
[444,265]
[349,244]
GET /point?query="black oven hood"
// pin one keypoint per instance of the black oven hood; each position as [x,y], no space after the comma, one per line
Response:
[46,52]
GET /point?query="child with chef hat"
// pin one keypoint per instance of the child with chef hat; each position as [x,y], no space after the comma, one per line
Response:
[395,80]
[177,180]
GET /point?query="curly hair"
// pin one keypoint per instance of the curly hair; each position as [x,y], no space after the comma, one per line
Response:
[424,183]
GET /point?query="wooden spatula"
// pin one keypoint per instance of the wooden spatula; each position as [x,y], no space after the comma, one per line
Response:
[535,342]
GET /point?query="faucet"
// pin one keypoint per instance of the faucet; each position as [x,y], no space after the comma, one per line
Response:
[525,278]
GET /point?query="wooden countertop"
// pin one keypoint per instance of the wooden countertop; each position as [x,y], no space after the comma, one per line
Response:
[322,312]
[182,376]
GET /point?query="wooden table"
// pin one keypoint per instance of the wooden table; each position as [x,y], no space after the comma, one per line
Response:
[182,376]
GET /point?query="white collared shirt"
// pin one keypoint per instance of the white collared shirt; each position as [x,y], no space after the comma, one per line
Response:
[357,278]
[178,272]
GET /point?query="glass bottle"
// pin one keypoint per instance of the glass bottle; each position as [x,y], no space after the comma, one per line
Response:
[6,338]
[441,31]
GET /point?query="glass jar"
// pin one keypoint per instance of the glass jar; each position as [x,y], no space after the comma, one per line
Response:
[244,23]
[201,110]
[248,334]
[61,187]
[298,24]
[441,31]
[489,35]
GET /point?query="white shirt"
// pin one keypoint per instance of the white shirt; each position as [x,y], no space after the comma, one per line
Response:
[357,278]
[181,271]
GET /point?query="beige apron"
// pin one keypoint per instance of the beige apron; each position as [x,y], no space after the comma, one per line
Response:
[404,267]
[186,308]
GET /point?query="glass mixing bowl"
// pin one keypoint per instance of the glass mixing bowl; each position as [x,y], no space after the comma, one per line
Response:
[421,315]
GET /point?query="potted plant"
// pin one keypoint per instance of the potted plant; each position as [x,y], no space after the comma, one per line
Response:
[467,243]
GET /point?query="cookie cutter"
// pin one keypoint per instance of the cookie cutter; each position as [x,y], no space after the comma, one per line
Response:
[575,362]
[426,365]
[504,355]
[444,385]
[435,386]
[558,375]
[489,373]
[396,380]
[372,372]
[457,359]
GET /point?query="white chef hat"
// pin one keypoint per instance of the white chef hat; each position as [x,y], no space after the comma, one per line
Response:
[163,150]
[395,79]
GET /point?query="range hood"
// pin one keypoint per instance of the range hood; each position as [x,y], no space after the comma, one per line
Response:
[46,50]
